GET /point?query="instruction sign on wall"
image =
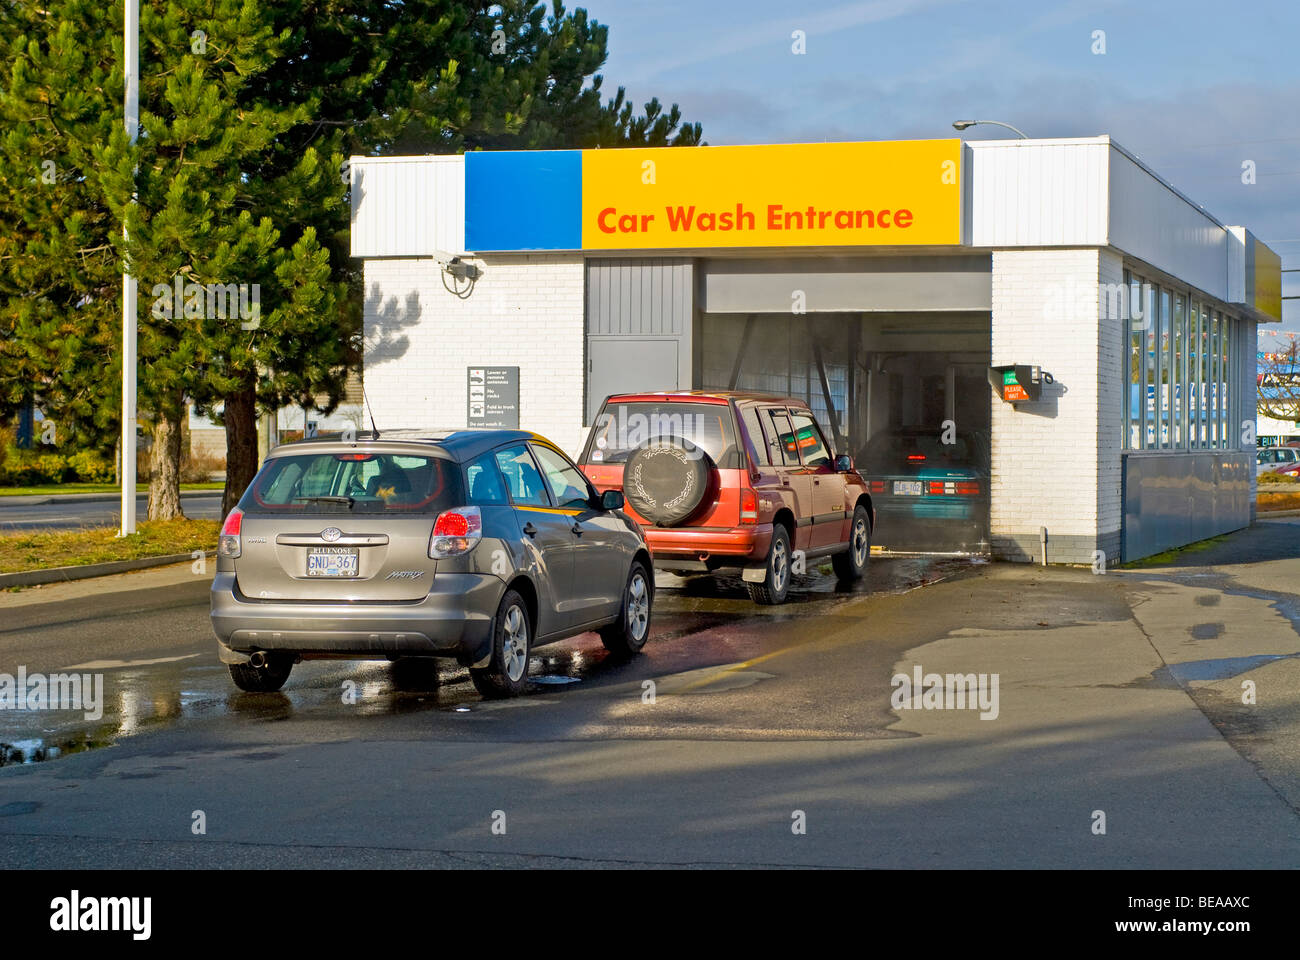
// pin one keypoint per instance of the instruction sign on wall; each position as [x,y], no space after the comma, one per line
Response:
[493,397]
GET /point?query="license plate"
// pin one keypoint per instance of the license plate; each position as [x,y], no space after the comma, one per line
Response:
[907,488]
[333,562]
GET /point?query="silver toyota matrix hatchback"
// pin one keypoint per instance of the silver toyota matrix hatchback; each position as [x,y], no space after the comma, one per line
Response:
[478,545]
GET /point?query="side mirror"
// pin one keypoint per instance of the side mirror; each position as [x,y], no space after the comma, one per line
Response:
[611,500]
[843,463]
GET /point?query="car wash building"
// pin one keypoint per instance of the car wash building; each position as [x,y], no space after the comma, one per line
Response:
[1072,327]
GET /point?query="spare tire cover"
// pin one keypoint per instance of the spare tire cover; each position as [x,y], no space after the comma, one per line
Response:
[665,480]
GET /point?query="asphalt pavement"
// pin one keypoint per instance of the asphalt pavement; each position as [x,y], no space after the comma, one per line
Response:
[76,512]
[743,736]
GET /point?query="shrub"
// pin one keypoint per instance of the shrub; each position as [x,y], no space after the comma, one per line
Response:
[1268,478]
[89,466]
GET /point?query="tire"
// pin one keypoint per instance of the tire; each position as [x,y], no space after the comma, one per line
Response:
[626,636]
[267,679]
[415,674]
[852,563]
[776,585]
[512,638]
[666,480]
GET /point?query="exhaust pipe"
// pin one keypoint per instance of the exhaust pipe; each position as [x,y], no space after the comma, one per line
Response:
[258,659]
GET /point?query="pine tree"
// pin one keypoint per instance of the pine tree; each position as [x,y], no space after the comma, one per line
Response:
[60,278]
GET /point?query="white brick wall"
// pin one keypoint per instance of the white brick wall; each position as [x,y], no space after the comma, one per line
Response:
[526,310]
[1056,463]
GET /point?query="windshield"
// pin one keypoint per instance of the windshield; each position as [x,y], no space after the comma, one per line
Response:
[622,427]
[358,483]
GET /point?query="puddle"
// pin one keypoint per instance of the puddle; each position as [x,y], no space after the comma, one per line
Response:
[1222,669]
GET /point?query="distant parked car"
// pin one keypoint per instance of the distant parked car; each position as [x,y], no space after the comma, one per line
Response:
[477,545]
[1273,459]
[732,480]
[927,491]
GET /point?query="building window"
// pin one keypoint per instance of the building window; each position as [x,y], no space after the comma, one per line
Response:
[1179,378]
[1133,404]
[1181,383]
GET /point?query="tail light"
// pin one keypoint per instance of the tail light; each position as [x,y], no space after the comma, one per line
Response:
[456,532]
[748,505]
[877,486]
[228,545]
[959,488]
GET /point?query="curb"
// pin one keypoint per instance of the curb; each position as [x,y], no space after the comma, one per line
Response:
[37,500]
[1264,514]
[32,578]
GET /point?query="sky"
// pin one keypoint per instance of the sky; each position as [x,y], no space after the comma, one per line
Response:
[1195,88]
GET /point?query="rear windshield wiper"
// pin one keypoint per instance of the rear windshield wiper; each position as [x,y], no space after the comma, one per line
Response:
[348,500]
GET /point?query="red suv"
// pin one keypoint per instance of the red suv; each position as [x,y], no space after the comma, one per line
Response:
[732,480]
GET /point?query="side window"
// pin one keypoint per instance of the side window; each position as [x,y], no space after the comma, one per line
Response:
[483,482]
[757,442]
[781,442]
[567,484]
[810,440]
[521,476]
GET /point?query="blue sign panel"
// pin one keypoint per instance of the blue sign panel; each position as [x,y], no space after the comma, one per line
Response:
[523,200]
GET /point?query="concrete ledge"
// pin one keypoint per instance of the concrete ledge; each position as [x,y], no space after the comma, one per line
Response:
[32,578]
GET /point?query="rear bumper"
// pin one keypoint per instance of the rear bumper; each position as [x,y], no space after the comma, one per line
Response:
[454,620]
[723,547]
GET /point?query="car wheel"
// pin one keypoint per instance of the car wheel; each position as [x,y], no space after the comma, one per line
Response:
[627,635]
[507,674]
[852,563]
[415,674]
[264,679]
[776,584]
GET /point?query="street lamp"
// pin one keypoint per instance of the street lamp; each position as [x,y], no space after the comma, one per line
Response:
[131,72]
[963,124]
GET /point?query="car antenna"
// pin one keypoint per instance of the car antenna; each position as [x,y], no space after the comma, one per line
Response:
[371,411]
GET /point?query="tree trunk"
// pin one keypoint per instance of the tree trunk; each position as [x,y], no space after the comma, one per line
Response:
[241,444]
[165,467]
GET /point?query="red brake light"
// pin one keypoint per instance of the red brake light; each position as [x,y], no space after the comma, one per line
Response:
[453,524]
[233,522]
[455,532]
[916,456]
[354,456]
[968,489]
[748,505]
[229,544]
[877,486]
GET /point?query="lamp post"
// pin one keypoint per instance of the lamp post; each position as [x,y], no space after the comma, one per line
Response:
[131,66]
[963,124]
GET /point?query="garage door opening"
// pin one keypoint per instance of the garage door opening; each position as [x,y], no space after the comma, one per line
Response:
[906,395]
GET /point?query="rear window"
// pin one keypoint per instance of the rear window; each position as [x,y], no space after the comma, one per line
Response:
[622,427]
[354,483]
[893,452]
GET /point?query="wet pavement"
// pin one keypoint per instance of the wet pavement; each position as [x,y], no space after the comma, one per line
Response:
[160,667]
[1121,693]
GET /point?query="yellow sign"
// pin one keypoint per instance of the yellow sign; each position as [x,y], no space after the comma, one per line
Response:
[897,193]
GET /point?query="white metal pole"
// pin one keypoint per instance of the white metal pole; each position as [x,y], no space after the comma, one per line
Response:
[131,49]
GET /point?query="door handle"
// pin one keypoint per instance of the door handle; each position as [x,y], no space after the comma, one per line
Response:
[530,529]
[576,528]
